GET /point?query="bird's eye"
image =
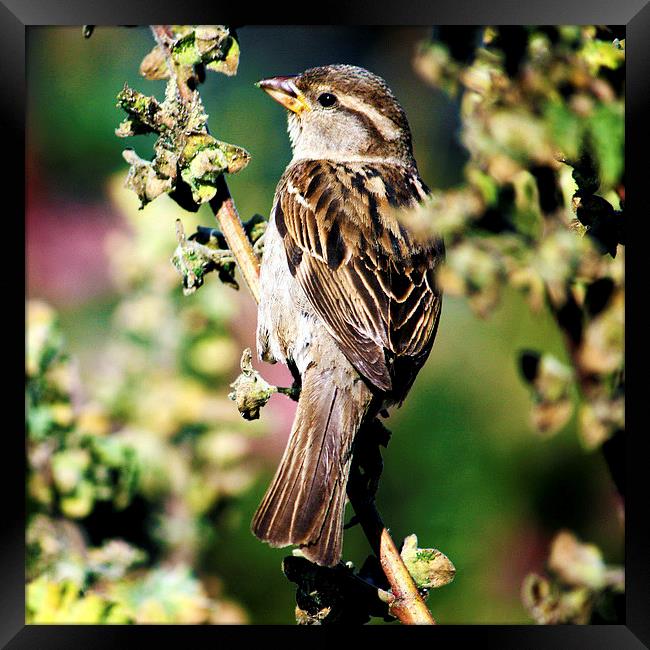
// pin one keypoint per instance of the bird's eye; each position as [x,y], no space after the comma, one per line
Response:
[327,100]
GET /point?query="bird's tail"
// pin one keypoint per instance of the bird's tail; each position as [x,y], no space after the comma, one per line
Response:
[305,503]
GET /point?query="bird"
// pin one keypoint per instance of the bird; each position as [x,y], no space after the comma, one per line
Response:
[349,300]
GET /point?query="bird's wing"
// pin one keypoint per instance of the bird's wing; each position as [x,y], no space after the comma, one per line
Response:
[368,280]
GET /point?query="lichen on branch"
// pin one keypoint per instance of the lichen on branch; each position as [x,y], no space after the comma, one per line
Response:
[188,162]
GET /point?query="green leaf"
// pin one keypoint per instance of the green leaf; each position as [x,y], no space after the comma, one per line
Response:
[607,130]
[607,54]
[80,502]
[68,468]
[164,595]
[566,128]
[527,216]
[50,602]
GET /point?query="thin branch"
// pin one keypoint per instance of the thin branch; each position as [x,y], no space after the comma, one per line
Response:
[406,602]
[408,606]
[164,39]
[226,213]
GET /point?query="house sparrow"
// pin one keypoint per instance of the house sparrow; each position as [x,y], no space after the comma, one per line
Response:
[348,297]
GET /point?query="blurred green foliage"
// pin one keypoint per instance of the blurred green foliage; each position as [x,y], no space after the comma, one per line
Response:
[542,210]
[144,423]
[542,206]
[75,467]
[155,427]
[582,589]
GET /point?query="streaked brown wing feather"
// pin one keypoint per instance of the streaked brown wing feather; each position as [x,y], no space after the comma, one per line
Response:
[371,285]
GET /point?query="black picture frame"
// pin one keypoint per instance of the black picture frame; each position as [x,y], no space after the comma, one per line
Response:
[17,15]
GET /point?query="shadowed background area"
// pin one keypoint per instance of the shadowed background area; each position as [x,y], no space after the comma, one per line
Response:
[465,469]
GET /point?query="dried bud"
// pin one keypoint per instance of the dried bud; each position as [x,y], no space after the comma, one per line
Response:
[154,65]
[250,391]
[429,567]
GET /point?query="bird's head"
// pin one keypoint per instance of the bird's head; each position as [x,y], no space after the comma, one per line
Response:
[342,113]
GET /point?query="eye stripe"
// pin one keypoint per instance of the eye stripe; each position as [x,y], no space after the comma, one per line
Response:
[383,125]
[377,135]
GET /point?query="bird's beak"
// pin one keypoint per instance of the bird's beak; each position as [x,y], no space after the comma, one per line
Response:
[284,91]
